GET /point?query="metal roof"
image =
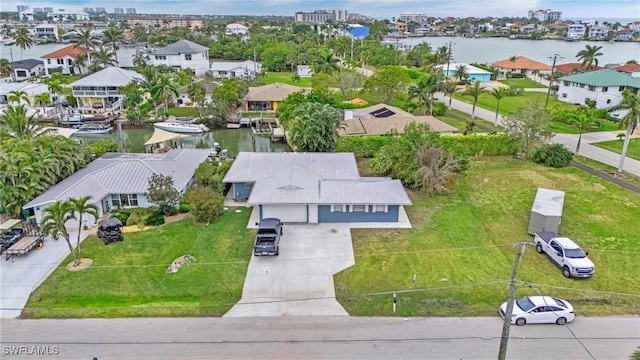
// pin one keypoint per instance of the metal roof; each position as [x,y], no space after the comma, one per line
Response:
[124,173]
[605,77]
[26,64]
[181,47]
[232,65]
[110,76]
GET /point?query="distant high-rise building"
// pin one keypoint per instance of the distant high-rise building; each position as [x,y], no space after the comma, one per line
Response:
[419,18]
[321,16]
[544,15]
[100,10]
[131,10]
[118,11]
[22,8]
[88,10]
[48,10]
[37,10]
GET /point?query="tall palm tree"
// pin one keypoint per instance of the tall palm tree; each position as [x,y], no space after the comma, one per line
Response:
[196,91]
[53,223]
[630,102]
[17,125]
[139,59]
[18,96]
[55,87]
[582,122]
[82,206]
[499,93]
[589,56]
[42,99]
[474,91]
[448,88]
[164,89]
[80,62]
[113,35]
[104,57]
[462,74]
[86,40]
[327,63]
[23,39]
[6,69]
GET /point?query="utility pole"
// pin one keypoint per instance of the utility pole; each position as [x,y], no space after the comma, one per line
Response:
[553,67]
[506,326]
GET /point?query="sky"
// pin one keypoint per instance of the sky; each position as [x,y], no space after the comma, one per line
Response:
[572,9]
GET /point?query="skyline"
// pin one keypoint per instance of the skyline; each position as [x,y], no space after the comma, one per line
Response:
[571,9]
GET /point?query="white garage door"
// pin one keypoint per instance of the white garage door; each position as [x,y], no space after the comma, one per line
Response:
[286,213]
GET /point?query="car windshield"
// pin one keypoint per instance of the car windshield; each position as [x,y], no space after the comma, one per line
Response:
[559,302]
[575,253]
[525,304]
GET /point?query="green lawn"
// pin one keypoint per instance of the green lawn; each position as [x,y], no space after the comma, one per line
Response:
[183,111]
[522,83]
[129,279]
[478,121]
[461,252]
[283,78]
[616,146]
[610,170]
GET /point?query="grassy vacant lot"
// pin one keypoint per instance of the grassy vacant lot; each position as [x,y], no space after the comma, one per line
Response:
[522,83]
[461,247]
[616,146]
[284,78]
[129,279]
[183,111]
[508,104]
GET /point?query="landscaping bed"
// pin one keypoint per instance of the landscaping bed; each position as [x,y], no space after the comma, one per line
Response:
[461,252]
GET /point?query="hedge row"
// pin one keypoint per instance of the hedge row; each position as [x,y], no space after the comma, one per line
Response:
[498,144]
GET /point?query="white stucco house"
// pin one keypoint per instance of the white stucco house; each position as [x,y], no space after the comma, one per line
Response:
[26,69]
[62,59]
[183,54]
[576,31]
[605,87]
[121,180]
[236,69]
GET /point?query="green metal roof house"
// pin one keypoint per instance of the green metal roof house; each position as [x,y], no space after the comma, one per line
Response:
[603,86]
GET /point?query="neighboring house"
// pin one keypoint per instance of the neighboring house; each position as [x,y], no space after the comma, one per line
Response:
[521,65]
[26,69]
[576,31]
[62,59]
[598,32]
[304,71]
[631,69]
[46,31]
[121,180]
[605,87]
[624,34]
[100,90]
[530,28]
[573,68]
[475,74]
[246,70]
[237,28]
[381,119]
[314,188]
[31,89]
[183,54]
[268,97]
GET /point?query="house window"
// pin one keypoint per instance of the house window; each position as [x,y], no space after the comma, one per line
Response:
[222,72]
[49,61]
[161,57]
[608,101]
[582,86]
[564,95]
[187,57]
[605,89]
[338,208]
[21,73]
[60,61]
[122,200]
[359,208]
[565,83]
[380,208]
[621,88]
[592,88]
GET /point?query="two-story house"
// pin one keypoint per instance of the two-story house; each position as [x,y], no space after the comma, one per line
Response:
[183,54]
[576,31]
[46,31]
[62,59]
[605,87]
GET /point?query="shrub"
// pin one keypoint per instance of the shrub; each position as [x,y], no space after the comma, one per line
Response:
[154,219]
[205,204]
[121,216]
[440,108]
[138,216]
[555,155]
[184,208]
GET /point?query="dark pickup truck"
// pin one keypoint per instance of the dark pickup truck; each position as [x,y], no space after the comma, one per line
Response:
[268,237]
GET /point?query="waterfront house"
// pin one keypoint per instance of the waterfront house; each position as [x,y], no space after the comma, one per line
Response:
[624,34]
[100,90]
[117,180]
[314,188]
[31,89]
[62,59]
[521,65]
[631,69]
[598,32]
[605,87]
[46,31]
[574,68]
[576,31]
[268,97]
[246,70]
[381,119]
[475,74]
[26,69]
[183,54]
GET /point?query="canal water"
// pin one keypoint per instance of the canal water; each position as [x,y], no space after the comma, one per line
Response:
[234,140]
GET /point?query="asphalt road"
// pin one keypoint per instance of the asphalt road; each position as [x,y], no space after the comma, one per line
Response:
[315,338]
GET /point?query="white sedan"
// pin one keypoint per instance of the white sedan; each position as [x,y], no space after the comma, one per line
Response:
[540,310]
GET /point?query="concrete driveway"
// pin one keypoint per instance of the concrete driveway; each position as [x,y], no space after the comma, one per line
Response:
[299,282]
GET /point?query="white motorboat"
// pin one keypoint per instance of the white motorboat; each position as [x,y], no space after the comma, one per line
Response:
[179,127]
[93,129]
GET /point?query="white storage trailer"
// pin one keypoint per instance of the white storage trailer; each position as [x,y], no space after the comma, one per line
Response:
[546,212]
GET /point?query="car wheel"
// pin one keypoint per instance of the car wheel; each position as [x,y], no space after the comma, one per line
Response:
[521,321]
[561,321]
[277,252]
[565,272]
[539,249]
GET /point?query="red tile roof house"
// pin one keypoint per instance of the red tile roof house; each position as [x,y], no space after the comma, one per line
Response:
[521,65]
[574,68]
[63,59]
[631,69]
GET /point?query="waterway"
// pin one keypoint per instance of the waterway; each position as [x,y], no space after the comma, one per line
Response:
[234,140]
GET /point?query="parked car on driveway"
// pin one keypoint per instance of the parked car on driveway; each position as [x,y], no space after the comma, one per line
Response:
[539,310]
[268,237]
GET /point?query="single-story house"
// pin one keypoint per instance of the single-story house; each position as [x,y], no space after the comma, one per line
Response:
[238,27]
[605,87]
[573,68]
[268,97]
[31,89]
[522,65]
[314,188]
[475,73]
[246,70]
[63,59]
[121,180]
[26,69]
[381,119]
[100,89]
[631,69]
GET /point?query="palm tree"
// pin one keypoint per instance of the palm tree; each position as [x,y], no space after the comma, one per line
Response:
[86,40]
[630,102]
[499,93]
[42,99]
[53,223]
[82,206]
[326,64]
[582,122]
[104,58]
[164,89]
[17,125]
[426,87]
[139,59]
[461,72]
[6,69]
[55,87]
[474,91]
[449,87]
[589,56]
[420,92]
[18,96]
[23,39]
[113,35]
[80,62]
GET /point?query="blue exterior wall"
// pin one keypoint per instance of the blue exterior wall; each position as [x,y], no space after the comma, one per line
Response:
[359,32]
[326,216]
[241,191]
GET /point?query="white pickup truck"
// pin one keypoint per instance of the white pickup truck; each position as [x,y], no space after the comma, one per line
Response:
[565,253]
